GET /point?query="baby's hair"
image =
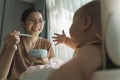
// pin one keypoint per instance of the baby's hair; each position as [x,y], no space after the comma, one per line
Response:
[91,9]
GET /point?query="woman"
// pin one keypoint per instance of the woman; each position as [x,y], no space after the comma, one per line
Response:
[15,56]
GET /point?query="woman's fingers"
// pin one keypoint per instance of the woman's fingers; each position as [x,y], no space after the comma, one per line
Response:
[15,33]
[56,43]
[12,39]
[45,60]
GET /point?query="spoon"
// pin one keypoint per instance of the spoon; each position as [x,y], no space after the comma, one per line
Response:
[28,35]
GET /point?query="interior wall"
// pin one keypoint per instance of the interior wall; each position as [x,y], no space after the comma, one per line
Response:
[1,16]
[1,10]
[13,11]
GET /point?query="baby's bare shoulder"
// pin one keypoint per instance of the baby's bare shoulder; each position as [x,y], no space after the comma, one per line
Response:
[89,55]
[89,50]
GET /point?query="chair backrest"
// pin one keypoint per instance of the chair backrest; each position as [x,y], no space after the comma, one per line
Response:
[111,29]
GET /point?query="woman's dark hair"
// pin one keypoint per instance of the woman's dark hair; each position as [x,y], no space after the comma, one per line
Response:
[27,12]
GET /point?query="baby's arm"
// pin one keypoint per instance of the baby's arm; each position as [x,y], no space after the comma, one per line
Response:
[70,43]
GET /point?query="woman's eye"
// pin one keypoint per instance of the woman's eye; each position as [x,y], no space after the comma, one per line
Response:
[32,20]
[40,20]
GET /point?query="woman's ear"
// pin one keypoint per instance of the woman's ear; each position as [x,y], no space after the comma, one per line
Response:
[87,22]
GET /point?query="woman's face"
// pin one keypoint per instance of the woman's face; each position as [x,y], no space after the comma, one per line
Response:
[34,23]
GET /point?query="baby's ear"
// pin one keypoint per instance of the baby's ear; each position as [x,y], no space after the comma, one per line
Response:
[87,21]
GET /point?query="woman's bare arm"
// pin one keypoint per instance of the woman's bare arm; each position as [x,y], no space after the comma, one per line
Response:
[6,57]
[7,53]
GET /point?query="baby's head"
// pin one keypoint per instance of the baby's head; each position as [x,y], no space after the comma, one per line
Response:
[86,24]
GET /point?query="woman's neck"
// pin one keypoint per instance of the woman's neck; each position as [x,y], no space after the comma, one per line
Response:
[33,39]
[30,42]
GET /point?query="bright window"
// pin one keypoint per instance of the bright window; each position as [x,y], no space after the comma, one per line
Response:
[60,14]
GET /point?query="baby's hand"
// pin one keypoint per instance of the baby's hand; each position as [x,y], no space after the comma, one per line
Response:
[59,38]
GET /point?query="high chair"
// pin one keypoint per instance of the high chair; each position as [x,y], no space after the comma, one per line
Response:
[111,41]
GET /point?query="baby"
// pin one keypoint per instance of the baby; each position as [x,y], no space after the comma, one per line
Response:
[86,32]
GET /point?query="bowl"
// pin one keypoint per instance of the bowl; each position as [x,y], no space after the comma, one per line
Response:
[38,52]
